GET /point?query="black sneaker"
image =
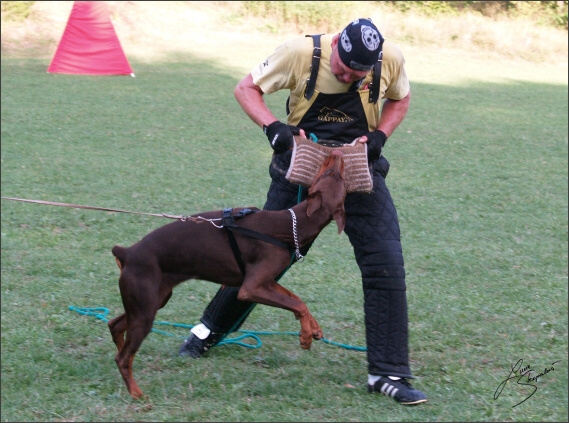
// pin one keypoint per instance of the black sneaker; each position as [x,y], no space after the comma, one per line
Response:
[400,390]
[195,347]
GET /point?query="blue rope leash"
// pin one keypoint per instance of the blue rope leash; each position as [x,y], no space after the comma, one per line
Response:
[101,314]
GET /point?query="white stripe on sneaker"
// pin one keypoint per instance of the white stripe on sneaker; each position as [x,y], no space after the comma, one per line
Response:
[389,390]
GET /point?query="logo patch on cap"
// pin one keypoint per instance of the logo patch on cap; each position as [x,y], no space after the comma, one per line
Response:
[370,38]
[359,45]
[345,40]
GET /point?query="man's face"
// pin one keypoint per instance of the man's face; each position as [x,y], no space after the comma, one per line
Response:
[343,74]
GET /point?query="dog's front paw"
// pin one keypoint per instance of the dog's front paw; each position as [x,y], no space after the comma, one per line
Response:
[316,331]
[305,340]
[317,334]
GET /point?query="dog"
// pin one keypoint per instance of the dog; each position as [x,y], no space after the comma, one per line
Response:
[198,248]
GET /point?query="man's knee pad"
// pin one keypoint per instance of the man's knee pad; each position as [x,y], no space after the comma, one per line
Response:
[382,265]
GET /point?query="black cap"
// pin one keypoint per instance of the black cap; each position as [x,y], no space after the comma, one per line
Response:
[359,45]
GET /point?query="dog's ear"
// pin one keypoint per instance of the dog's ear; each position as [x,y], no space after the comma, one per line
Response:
[314,203]
[340,218]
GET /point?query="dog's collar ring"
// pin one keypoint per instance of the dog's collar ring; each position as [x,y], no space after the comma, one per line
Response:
[299,256]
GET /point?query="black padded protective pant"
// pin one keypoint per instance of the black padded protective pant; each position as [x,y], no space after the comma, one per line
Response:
[372,227]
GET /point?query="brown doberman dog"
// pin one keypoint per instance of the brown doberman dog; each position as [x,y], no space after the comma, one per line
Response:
[196,248]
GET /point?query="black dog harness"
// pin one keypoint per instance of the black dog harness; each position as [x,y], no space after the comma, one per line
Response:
[228,222]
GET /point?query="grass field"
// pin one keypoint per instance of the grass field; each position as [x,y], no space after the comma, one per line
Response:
[479,176]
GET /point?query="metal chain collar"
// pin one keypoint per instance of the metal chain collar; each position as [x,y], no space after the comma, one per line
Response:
[299,256]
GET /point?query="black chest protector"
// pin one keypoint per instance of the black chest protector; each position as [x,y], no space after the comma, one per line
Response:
[339,116]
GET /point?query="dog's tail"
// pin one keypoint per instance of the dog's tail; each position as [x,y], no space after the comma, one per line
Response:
[120,255]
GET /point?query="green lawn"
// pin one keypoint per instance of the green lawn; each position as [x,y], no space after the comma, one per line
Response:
[479,176]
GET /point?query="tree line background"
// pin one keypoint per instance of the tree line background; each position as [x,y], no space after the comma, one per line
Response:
[551,13]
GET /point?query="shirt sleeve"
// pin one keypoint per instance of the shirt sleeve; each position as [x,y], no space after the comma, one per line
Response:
[397,83]
[279,70]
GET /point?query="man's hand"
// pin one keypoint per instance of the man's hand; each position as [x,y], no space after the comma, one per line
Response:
[375,142]
[281,135]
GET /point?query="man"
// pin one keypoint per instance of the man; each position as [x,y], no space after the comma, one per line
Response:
[340,100]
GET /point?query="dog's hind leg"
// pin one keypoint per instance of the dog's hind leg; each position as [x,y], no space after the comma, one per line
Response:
[142,297]
[117,326]
[138,329]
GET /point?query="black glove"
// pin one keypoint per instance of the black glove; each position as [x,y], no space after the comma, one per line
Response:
[375,142]
[280,135]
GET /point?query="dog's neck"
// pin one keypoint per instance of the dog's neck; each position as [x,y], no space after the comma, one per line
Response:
[308,228]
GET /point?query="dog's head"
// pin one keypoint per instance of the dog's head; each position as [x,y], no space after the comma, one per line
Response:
[328,190]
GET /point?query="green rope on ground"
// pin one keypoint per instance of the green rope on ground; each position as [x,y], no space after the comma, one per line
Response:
[101,314]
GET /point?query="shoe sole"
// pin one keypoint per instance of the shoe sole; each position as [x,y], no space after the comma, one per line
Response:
[414,402]
[187,354]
